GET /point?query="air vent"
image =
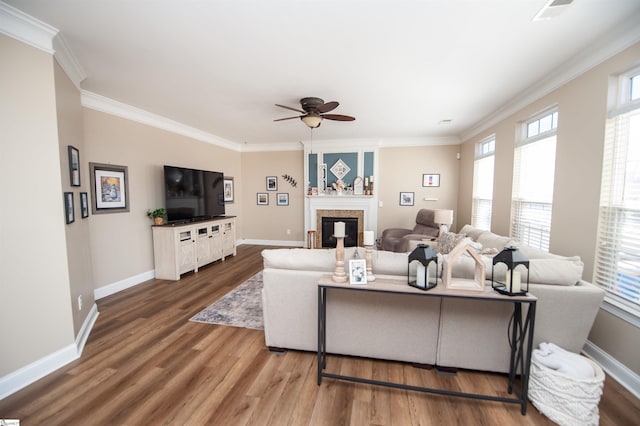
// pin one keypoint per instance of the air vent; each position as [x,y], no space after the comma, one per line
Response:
[552,9]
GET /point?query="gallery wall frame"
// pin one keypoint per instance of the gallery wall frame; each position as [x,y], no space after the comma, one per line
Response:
[74,165]
[109,188]
[282,198]
[272,183]
[69,208]
[406,198]
[84,205]
[431,179]
[262,199]
[228,189]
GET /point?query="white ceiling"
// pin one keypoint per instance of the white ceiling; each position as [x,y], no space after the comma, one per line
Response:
[398,66]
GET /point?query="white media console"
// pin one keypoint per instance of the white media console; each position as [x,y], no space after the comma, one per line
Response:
[186,247]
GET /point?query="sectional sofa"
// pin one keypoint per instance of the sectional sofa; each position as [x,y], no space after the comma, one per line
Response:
[459,333]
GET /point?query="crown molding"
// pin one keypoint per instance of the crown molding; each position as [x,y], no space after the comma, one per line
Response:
[103,104]
[27,29]
[624,36]
[68,60]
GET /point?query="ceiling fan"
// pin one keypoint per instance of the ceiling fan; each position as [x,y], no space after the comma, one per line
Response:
[314,110]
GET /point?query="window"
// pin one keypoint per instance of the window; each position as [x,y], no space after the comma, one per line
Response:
[483,183]
[617,266]
[533,175]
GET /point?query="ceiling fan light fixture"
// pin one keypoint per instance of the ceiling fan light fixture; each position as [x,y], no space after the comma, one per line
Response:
[312,121]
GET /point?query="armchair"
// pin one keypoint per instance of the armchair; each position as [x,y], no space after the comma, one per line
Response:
[397,239]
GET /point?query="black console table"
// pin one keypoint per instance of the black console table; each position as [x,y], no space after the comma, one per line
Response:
[521,334]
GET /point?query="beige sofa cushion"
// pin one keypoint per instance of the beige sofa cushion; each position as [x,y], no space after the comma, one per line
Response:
[305,259]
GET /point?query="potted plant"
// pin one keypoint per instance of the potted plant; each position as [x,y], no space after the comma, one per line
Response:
[157,215]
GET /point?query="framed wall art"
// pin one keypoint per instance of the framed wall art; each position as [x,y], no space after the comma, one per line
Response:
[406,198]
[431,180]
[84,205]
[74,166]
[228,189]
[109,188]
[262,198]
[272,183]
[282,198]
[69,213]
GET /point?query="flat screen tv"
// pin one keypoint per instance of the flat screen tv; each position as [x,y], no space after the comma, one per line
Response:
[192,195]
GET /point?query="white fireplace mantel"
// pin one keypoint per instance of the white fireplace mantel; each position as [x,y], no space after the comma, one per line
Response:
[366,203]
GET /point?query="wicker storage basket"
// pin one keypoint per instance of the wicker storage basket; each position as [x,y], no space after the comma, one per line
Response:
[564,399]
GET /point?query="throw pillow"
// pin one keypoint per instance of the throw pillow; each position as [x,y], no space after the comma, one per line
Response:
[447,241]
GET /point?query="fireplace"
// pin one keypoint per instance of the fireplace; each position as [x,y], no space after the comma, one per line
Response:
[351,231]
[354,227]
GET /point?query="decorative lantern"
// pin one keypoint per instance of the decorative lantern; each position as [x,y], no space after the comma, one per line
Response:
[517,264]
[423,268]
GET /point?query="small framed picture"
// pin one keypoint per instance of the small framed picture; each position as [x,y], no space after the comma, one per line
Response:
[431,180]
[406,198]
[84,205]
[69,213]
[109,188]
[283,198]
[74,166]
[272,183]
[262,198]
[357,271]
[228,189]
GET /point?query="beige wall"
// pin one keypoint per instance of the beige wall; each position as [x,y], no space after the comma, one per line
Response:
[273,222]
[121,243]
[36,318]
[582,105]
[77,233]
[401,170]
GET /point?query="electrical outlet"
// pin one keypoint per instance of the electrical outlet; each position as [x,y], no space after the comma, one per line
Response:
[80,302]
[288,231]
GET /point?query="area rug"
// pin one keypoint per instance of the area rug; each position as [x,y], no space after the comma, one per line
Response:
[241,307]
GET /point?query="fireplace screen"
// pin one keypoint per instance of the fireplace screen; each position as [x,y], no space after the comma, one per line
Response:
[351,231]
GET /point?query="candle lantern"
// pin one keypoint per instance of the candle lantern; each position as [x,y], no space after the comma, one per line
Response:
[423,268]
[514,283]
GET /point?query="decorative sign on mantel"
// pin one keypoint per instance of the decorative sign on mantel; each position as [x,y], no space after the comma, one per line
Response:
[340,169]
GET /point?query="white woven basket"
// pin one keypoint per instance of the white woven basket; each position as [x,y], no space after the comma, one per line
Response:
[565,399]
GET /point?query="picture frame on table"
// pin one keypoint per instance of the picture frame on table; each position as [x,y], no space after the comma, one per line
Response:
[406,198]
[84,205]
[282,198]
[69,209]
[228,189]
[262,199]
[272,183]
[357,271]
[74,165]
[431,180]
[109,188]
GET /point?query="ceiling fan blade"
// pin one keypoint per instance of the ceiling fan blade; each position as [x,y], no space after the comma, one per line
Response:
[292,109]
[329,106]
[337,117]
[288,118]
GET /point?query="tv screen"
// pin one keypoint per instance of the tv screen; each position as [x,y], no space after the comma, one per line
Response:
[192,194]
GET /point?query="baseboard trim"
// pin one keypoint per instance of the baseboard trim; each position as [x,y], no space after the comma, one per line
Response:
[85,330]
[614,368]
[113,288]
[28,374]
[23,377]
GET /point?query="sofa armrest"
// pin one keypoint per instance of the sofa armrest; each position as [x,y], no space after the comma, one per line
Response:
[395,232]
[565,315]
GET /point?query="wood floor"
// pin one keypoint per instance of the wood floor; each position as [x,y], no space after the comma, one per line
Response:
[145,363]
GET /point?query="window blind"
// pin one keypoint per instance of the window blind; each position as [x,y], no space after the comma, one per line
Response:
[617,266]
[482,192]
[533,177]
